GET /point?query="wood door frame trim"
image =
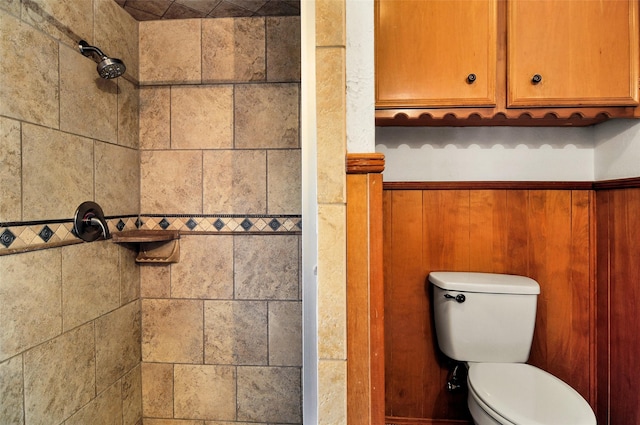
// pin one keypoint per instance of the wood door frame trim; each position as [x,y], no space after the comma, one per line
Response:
[365,290]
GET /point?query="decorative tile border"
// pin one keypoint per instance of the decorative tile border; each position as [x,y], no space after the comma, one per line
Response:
[223,223]
[27,236]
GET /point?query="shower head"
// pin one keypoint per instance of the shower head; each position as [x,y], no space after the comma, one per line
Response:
[107,67]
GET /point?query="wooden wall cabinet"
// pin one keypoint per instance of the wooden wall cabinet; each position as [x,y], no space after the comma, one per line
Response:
[505,62]
[585,53]
[436,53]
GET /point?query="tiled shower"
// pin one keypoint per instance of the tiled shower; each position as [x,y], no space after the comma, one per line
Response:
[202,136]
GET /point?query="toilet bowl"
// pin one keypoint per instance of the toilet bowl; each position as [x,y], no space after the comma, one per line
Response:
[521,394]
[486,321]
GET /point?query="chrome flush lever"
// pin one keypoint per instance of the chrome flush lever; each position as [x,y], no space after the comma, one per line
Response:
[459,298]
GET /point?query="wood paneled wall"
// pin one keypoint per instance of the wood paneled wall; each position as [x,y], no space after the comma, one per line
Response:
[618,280]
[544,233]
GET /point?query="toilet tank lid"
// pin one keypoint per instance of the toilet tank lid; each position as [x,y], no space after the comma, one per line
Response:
[492,283]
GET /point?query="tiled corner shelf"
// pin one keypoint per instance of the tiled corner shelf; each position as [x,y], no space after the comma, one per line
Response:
[155,246]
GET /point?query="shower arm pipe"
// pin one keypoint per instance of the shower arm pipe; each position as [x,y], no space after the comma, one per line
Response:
[88,50]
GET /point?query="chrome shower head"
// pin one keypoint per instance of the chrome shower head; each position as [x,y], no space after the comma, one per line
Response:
[107,67]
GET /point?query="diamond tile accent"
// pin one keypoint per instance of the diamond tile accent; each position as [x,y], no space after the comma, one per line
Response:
[120,225]
[139,223]
[164,224]
[46,233]
[274,224]
[191,224]
[218,224]
[246,224]
[26,235]
[7,238]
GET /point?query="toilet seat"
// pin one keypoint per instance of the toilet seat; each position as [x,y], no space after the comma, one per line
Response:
[518,393]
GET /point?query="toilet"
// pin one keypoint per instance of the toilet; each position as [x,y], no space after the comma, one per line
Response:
[486,320]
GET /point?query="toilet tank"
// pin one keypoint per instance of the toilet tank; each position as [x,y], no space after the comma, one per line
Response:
[484,317]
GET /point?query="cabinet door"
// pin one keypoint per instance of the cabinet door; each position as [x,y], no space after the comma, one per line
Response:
[585,52]
[426,50]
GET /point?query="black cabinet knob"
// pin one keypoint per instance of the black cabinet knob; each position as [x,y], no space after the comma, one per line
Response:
[471,78]
[536,79]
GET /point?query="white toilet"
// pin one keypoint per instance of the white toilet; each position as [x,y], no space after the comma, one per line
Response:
[487,320]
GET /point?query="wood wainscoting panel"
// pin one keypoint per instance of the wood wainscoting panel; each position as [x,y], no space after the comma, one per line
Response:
[544,233]
[602,200]
[624,306]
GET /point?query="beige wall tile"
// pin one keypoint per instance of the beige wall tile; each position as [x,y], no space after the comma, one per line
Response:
[105,408]
[266,267]
[92,290]
[205,392]
[28,321]
[157,390]
[171,182]
[205,270]
[233,49]
[129,274]
[235,182]
[117,344]
[172,331]
[128,113]
[202,117]
[61,20]
[170,51]
[332,295]
[59,376]
[269,394]
[155,281]
[11,6]
[57,173]
[116,34]
[148,421]
[88,103]
[155,118]
[283,48]
[330,23]
[331,124]
[11,388]
[28,73]
[235,332]
[10,170]
[332,392]
[267,116]
[284,190]
[285,333]
[117,176]
[132,396]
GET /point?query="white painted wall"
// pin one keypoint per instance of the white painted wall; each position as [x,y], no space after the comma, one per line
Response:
[617,149]
[487,153]
[309,214]
[360,77]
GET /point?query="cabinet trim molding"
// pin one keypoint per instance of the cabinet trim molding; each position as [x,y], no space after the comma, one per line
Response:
[364,163]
